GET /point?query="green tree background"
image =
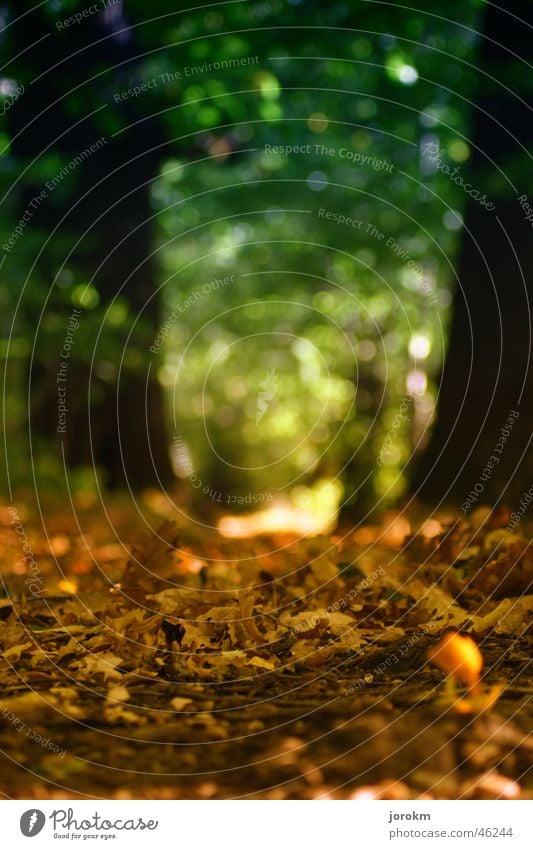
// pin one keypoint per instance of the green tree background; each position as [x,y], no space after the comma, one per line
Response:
[351,319]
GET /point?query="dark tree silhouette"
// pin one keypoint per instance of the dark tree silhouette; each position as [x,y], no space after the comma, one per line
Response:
[117,423]
[488,374]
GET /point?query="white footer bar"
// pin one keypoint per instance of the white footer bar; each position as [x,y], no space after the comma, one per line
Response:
[268,824]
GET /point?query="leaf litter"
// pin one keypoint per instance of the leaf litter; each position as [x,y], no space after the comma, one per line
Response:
[202,667]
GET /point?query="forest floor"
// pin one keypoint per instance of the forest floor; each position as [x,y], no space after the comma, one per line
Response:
[182,664]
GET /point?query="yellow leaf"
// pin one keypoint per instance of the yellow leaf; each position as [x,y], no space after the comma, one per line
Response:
[118,693]
[262,663]
[15,652]
[179,703]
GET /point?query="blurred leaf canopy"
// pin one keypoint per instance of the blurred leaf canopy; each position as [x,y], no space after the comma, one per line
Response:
[331,265]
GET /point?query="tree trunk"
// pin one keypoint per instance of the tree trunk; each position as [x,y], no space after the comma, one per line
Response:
[478,452]
[116,421]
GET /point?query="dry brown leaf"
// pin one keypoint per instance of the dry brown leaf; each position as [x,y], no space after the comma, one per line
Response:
[101,664]
[247,602]
[435,603]
[511,616]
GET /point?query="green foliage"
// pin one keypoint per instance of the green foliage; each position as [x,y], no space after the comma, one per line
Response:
[334,308]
